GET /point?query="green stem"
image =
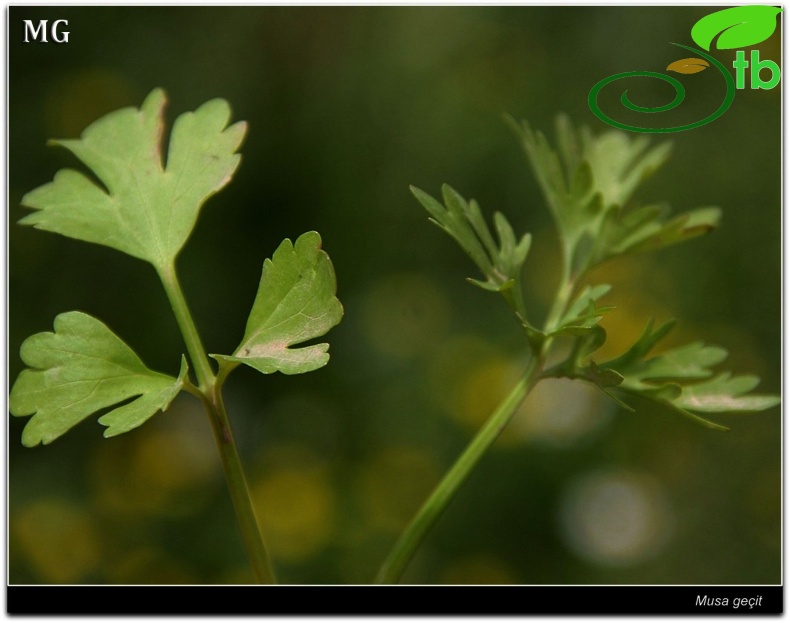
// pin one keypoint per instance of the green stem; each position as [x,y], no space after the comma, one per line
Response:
[515,300]
[209,392]
[561,300]
[197,354]
[239,492]
[415,533]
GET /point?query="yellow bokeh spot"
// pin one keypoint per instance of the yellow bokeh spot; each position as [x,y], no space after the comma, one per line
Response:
[641,289]
[623,328]
[478,570]
[482,389]
[454,361]
[469,378]
[162,469]
[149,566]
[296,508]
[57,539]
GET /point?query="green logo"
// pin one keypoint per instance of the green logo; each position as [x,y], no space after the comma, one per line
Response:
[735,27]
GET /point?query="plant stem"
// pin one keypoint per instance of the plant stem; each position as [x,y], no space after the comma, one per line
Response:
[197,354]
[211,397]
[239,492]
[415,533]
[561,300]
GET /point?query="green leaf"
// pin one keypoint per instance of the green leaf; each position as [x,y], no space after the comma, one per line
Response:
[589,182]
[672,378]
[692,361]
[79,369]
[295,303]
[143,207]
[740,27]
[587,344]
[620,163]
[464,222]
[602,377]
[579,364]
[582,314]
[623,237]
[725,393]
[642,346]
[501,263]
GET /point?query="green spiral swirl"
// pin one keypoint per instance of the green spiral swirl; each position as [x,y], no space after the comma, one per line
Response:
[680,94]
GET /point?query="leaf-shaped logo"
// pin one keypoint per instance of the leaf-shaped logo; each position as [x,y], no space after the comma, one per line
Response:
[688,65]
[738,27]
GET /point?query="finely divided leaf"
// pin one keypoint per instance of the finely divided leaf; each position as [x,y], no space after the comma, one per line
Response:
[643,230]
[295,303]
[579,364]
[725,393]
[464,221]
[621,162]
[582,315]
[145,207]
[588,182]
[79,369]
[501,263]
[673,378]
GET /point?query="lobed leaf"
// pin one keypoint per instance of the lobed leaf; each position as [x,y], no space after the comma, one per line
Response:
[79,369]
[144,206]
[295,303]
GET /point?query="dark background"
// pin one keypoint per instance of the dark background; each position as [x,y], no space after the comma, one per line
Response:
[346,107]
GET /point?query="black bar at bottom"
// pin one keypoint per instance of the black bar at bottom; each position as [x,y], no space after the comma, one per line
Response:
[394,600]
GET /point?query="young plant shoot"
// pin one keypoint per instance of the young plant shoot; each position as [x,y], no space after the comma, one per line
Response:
[148,210]
[588,183]
[147,204]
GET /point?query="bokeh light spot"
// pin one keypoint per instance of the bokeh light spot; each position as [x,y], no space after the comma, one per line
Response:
[296,507]
[560,412]
[483,388]
[149,566]
[159,469]
[57,539]
[615,518]
[469,377]
[480,569]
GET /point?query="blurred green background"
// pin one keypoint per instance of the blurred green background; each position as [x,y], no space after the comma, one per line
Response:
[347,106]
